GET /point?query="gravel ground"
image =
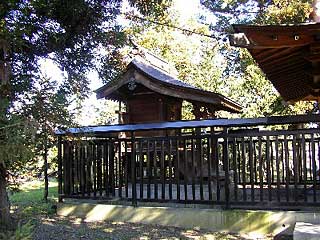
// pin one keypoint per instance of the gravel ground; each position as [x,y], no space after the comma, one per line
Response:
[59,228]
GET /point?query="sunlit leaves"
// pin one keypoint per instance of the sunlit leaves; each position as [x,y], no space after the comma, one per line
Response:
[286,11]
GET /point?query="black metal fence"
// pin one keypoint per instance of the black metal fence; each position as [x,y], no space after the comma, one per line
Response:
[262,162]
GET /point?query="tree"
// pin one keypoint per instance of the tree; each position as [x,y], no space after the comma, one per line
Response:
[68,32]
[194,54]
[48,106]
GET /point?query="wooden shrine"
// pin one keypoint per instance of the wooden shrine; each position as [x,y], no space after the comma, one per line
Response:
[152,93]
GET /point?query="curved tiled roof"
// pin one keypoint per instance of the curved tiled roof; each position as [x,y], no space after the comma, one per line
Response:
[165,83]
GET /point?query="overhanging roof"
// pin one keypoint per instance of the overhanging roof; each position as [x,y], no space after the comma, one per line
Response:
[163,83]
[289,55]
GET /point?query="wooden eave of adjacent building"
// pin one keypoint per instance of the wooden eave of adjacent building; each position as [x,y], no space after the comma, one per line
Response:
[289,55]
[162,83]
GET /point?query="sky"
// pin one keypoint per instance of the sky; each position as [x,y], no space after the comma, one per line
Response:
[186,9]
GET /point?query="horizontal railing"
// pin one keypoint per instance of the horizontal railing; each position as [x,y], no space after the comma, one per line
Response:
[263,163]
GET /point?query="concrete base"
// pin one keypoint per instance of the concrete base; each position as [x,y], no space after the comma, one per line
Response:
[306,231]
[253,223]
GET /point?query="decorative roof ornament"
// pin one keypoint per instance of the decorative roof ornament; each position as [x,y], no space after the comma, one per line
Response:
[132,84]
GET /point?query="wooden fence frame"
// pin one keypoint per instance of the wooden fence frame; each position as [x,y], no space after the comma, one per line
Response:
[230,130]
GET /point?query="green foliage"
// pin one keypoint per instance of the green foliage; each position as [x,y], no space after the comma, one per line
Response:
[14,143]
[77,36]
[257,12]
[196,58]
[153,8]
[28,202]
[282,12]
[106,112]
[22,232]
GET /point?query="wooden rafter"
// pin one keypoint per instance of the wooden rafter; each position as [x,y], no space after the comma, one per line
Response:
[289,55]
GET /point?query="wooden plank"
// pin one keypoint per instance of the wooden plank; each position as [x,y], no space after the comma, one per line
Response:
[126,171]
[111,167]
[283,161]
[216,164]
[277,168]
[255,162]
[263,53]
[60,166]
[149,170]
[304,164]
[155,169]
[279,53]
[177,169]
[310,159]
[275,120]
[116,165]
[89,167]
[133,169]
[94,172]
[251,168]
[209,159]
[85,162]
[107,183]
[226,167]
[185,170]
[75,168]
[141,164]
[261,40]
[201,154]
[260,167]
[238,143]
[120,169]
[82,169]
[318,150]
[193,169]
[244,180]
[71,167]
[162,171]
[235,167]
[170,168]
[272,161]
[295,167]
[314,168]
[286,156]
[99,168]
[268,168]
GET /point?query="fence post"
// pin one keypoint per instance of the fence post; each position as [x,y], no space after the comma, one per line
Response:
[133,170]
[226,166]
[60,169]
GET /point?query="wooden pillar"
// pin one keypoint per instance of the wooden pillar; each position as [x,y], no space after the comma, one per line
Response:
[119,113]
[133,170]
[60,168]
[66,168]
[197,114]
[226,166]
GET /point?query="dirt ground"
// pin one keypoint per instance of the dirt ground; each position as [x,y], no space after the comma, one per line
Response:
[60,228]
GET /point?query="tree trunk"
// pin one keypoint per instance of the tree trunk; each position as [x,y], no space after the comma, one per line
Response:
[5,217]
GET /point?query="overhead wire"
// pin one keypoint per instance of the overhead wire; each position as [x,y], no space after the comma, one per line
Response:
[169,25]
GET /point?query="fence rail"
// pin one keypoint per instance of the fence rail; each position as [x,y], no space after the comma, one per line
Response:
[264,164]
